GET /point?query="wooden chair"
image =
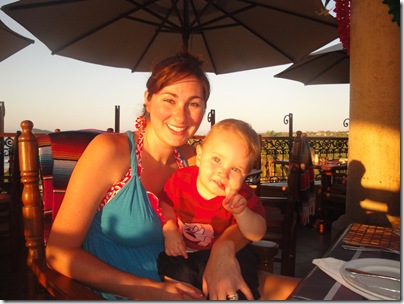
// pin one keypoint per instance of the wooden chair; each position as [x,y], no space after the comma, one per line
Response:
[281,204]
[333,199]
[43,282]
[281,229]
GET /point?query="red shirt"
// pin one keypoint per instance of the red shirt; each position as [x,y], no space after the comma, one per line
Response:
[202,221]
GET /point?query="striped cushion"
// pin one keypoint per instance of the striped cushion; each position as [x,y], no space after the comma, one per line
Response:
[46,167]
[67,147]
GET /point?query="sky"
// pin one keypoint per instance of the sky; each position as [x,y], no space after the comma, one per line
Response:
[59,92]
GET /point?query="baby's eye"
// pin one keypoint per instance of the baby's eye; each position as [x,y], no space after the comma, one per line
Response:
[216,159]
[236,170]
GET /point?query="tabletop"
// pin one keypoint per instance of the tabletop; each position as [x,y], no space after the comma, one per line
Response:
[318,285]
[331,165]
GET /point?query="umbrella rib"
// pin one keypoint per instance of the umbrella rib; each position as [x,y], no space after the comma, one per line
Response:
[325,70]
[251,30]
[164,20]
[101,26]
[332,24]
[37,5]
[9,31]
[253,4]
[203,26]
[197,21]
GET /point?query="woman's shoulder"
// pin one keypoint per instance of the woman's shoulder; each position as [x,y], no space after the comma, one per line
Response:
[110,144]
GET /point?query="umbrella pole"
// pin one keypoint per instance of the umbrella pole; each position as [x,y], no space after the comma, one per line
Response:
[185,33]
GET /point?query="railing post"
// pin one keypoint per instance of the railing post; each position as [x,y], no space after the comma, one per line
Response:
[288,119]
[117,118]
[2,114]
[212,117]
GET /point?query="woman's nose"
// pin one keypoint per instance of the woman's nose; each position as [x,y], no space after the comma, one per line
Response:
[180,113]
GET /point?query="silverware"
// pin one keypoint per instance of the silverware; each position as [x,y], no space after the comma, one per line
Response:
[300,298]
[365,248]
[371,274]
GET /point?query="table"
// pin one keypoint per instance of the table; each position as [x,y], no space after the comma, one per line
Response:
[253,179]
[317,285]
[328,170]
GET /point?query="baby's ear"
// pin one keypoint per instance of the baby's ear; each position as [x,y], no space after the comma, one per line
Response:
[198,155]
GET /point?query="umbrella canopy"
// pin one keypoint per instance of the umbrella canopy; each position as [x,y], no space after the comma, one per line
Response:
[11,42]
[329,66]
[231,35]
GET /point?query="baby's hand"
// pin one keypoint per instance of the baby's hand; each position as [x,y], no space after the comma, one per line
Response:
[234,202]
[174,244]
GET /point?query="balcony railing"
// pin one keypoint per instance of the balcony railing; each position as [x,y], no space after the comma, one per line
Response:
[275,154]
[6,141]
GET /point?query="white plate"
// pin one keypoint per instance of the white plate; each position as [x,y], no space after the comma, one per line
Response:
[378,287]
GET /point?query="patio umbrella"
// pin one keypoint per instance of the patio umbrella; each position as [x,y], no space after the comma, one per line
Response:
[11,42]
[329,66]
[231,35]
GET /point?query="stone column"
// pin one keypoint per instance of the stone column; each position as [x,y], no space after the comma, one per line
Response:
[373,184]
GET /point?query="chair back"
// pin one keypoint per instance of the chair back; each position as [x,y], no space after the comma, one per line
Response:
[46,167]
[43,282]
[281,229]
[66,149]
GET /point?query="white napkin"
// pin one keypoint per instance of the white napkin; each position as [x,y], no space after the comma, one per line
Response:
[332,266]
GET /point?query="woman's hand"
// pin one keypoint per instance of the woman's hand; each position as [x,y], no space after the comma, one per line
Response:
[175,290]
[222,276]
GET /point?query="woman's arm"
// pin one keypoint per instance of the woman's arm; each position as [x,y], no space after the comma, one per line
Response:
[222,275]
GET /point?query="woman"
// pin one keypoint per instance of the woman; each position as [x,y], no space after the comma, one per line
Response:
[107,233]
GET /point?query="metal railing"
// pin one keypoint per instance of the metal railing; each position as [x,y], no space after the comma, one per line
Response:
[6,154]
[275,153]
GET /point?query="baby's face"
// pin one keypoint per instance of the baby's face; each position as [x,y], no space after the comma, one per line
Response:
[223,163]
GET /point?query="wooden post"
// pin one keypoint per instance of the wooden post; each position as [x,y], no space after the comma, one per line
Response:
[31,198]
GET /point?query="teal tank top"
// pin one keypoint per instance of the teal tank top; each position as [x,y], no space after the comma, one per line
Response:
[126,233]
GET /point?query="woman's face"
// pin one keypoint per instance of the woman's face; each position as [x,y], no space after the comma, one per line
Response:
[177,111]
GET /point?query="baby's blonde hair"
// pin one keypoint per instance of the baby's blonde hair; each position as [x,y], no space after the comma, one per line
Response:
[245,132]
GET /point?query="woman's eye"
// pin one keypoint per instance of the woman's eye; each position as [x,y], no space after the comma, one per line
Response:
[195,104]
[168,100]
